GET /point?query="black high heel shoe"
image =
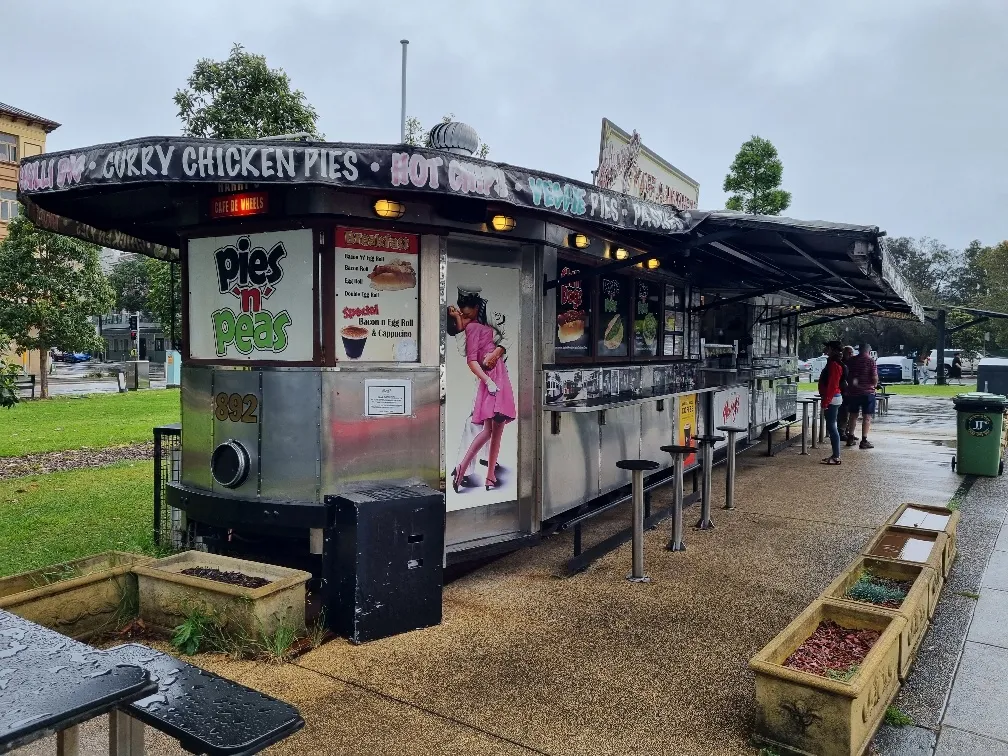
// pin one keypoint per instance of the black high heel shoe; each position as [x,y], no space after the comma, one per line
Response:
[491,484]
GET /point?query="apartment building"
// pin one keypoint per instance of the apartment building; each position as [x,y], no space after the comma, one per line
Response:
[22,134]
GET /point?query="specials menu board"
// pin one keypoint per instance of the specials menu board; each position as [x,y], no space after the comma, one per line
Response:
[614,305]
[377,296]
[646,311]
[573,309]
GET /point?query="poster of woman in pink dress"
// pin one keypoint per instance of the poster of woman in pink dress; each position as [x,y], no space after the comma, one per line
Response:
[494,403]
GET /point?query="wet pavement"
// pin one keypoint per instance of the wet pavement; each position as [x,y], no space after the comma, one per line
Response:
[93,377]
[526,661]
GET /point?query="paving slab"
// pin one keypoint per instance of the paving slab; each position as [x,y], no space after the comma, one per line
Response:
[1002,541]
[979,697]
[989,622]
[953,742]
[996,575]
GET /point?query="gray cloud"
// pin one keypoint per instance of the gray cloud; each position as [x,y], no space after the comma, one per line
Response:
[888,113]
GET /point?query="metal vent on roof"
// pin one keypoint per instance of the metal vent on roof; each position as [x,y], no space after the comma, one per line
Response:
[460,138]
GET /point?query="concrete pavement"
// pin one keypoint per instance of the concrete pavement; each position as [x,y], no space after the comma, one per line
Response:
[527,662]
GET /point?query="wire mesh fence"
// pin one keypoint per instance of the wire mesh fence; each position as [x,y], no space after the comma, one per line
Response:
[171,530]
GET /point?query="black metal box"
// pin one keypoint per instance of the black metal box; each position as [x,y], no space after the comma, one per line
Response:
[383,561]
[992,375]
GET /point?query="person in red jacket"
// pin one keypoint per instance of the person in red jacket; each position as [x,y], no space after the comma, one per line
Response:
[832,398]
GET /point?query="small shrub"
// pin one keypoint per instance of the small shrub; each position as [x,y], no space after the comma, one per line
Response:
[187,637]
[316,633]
[897,718]
[843,675]
[276,646]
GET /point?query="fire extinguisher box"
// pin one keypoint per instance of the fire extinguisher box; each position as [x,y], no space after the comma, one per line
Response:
[383,561]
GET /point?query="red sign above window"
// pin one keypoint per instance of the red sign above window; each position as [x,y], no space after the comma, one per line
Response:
[239,205]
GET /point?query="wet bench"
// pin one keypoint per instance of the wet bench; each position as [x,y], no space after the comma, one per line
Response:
[204,712]
[25,383]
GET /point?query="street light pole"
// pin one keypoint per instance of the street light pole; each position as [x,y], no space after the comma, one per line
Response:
[402,115]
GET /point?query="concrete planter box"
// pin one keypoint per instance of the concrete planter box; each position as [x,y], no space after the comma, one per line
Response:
[804,713]
[81,598]
[921,547]
[916,608]
[930,519]
[167,596]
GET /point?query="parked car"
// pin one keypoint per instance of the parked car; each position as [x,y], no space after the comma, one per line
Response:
[931,361]
[894,369]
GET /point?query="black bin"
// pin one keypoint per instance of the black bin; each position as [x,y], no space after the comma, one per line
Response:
[383,561]
[992,375]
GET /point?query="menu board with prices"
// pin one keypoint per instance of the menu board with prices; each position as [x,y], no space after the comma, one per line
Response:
[377,295]
[573,310]
[613,333]
[647,307]
[673,339]
[694,325]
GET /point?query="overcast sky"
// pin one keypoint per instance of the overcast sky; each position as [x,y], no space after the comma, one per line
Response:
[889,113]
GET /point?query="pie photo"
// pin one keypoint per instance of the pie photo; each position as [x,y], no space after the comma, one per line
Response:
[570,326]
[393,276]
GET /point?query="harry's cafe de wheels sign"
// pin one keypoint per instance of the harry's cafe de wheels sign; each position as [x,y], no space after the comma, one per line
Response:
[247,297]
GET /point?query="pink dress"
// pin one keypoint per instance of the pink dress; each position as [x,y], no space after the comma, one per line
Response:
[479,344]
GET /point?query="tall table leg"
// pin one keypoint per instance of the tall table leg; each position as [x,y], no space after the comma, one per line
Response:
[804,428]
[815,423]
[677,543]
[637,574]
[730,473]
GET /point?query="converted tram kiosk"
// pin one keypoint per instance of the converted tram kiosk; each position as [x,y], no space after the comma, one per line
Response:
[360,313]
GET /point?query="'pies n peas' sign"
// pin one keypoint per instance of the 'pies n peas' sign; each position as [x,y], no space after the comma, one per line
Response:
[250,297]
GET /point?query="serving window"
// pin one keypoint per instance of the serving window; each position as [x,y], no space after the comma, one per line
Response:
[674,331]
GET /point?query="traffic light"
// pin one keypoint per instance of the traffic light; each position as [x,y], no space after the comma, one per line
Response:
[133,323]
[133,335]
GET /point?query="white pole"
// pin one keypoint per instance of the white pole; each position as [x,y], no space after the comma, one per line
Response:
[402,119]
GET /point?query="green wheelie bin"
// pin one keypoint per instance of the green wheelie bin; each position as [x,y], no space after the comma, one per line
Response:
[980,433]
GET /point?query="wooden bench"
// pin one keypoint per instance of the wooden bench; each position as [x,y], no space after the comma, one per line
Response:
[204,712]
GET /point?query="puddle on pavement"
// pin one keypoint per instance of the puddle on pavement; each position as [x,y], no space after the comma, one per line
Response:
[913,517]
[904,547]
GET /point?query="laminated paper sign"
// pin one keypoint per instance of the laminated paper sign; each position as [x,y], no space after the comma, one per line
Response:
[377,295]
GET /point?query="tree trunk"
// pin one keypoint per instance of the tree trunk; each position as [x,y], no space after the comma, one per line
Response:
[43,373]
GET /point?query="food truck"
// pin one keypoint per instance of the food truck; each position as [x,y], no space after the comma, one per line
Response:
[358,313]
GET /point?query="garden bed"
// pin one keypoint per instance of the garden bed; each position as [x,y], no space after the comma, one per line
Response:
[820,713]
[81,598]
[922,517]
[868,580]
[168,596]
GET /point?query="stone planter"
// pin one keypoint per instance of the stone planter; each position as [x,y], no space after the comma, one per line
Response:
[930,519]
[804,713]
[167,597]
[916,608]
[81,598]
[918,547]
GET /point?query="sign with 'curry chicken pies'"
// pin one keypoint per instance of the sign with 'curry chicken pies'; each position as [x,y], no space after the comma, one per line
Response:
[377,295]
[250,297]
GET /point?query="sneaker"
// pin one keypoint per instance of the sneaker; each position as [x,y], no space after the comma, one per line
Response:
[866,444]
[850,441]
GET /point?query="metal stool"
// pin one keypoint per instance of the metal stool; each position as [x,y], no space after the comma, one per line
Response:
[729,494]
[638,467]
[805,402]
[707,443]
[678,452]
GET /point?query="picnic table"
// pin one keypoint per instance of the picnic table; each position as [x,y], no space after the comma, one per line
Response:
[50,683]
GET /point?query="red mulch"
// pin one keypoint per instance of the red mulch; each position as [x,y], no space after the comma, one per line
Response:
[832,648]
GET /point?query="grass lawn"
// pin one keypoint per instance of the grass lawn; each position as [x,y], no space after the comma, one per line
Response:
[93,421]
[909,389]
[46,519]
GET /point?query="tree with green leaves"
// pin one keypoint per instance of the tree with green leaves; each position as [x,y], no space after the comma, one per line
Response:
[131,283]
[417,136]
[754,180]
[50,286]
[164,296]
[242,98]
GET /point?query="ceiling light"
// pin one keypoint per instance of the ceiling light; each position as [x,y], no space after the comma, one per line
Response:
[653,263]
[621,254]
[386,208]
[580,241]
[502,223]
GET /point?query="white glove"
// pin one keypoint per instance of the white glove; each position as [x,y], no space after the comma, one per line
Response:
[491,386]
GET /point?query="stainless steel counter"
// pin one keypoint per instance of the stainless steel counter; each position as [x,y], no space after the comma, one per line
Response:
[614,402]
